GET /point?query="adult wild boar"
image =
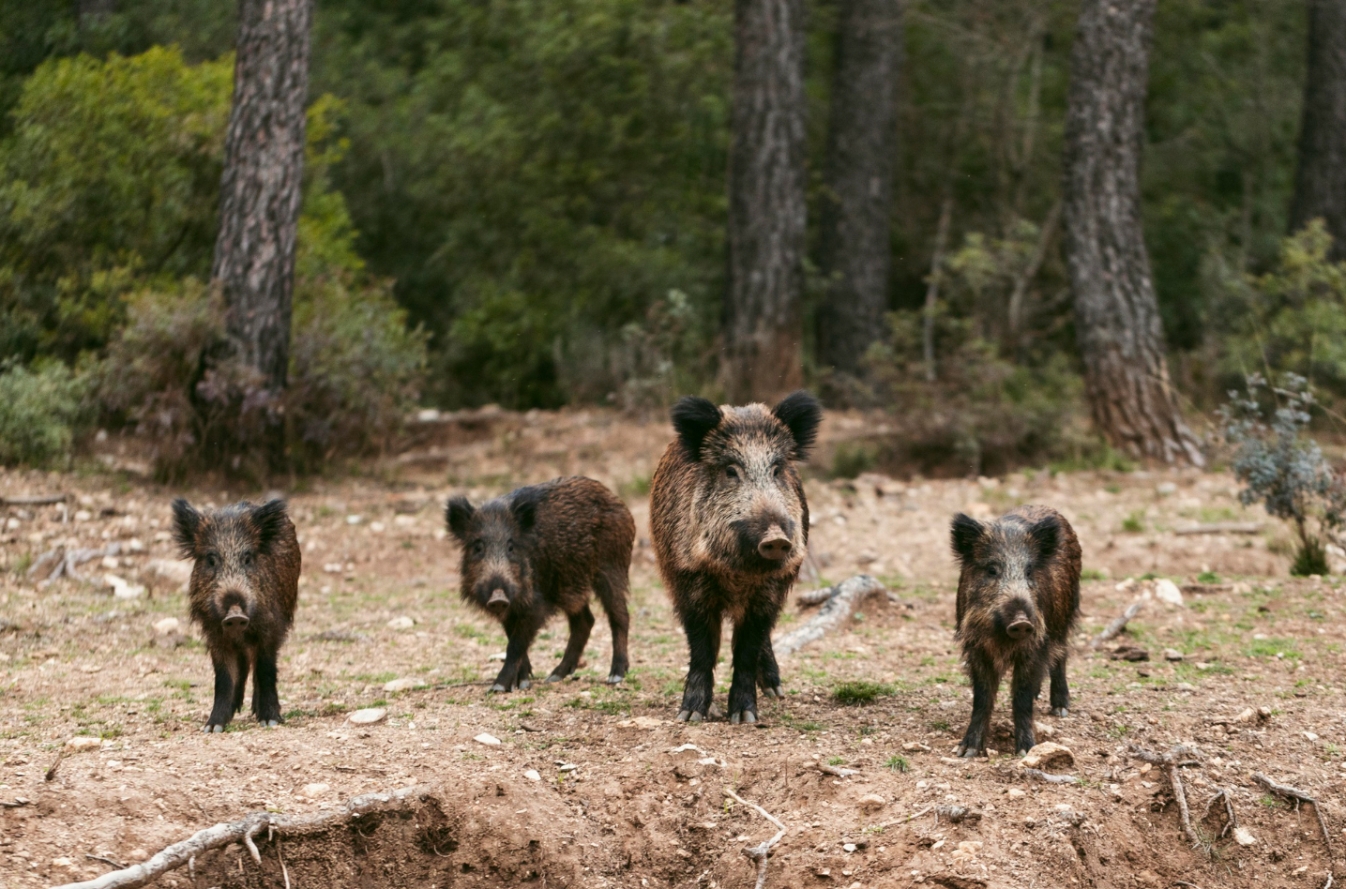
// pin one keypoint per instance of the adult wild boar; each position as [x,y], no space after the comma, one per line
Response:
[730,525]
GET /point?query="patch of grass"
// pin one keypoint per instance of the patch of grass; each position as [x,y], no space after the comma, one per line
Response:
[1287,648]
[938,726]
[860,691]
[1093,574]
[1208,577]
[836,761]
[634,487]
[897,763]
[1134,523]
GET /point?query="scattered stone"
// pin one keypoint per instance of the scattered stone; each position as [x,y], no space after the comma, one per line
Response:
[1166,489]
[167,625]
[533,775]
[123,589]
[1049,755]
[872,802]
[332,567]
[1129,653]
[1167,591]
[403,684]
[137,855]
[1042,730]
[1015,793]
[316,789]
[1310,737]
[488,740]
[83,742]
[569,767]
[916,746]
[369,716]
[63,862]
[1244,837]
[1172,654]
[848,847]
[401,623]
[498,656]
[642,722]
[354,519]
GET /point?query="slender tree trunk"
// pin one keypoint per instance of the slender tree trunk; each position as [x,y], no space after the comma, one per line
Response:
[1320,179]
[763,324]
[1117,316]
[932,287]
[855,254]
[261,190]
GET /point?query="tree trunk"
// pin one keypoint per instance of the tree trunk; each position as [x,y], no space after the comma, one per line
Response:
[763,324]
[854,254]
[261,189]
[1117,316]
[1320,179]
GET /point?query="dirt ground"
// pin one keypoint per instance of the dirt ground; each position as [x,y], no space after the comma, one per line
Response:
[593,786]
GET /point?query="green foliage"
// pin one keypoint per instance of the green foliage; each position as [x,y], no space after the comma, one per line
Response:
[1134,523]
[860,691]
[39,409]
[897,763]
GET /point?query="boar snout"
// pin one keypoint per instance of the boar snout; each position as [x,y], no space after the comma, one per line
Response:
[498,600]
[774,545]
[235,618]
[1018,620]
[1021,628]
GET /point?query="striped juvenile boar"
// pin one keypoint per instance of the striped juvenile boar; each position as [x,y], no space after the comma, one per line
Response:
[542,549]
[730,525]
[245,584]
[1018,598]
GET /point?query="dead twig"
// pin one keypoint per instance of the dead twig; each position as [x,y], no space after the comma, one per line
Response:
[957,814]
[836,770]
[838,605]
[66,562]
[762,850]
[1299,796]
[1185,883]
[1040,775]
[55,764]
[1171,762]
[1222,528]
[37,500]
[179,854]
[117,864]
[1118,624]
[809,598]
[1231,820]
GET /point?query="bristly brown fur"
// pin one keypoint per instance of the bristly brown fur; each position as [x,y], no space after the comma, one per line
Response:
[728,478]
[1022,572]
[245,558]
[546,548]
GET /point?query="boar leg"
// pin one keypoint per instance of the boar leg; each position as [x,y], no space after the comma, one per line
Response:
[750,636]
[241,678]
[768,673]
[226,664]
[265,697]
[985,683]
[1060,690]
[581,622]
[520,633]
[611,590]
[1025,688]
[703,643]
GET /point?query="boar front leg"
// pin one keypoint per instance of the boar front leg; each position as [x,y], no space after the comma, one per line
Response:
[1025,688]
[703,643]
[985,683]
[517,671]
[226,680]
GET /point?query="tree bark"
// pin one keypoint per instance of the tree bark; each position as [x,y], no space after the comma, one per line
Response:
[1120,335]
[763,323]
[262,187]
[854,253]
[1320,178]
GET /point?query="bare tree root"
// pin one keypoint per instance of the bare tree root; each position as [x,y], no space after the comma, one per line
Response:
[185,852]
[1118,624]
[836,771]
[1040,775]
[762,850]
[1171,762]
[837,606]
[1231,820]
[1297,796]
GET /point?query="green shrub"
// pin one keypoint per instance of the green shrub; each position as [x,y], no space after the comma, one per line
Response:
[39,410]
[860,691]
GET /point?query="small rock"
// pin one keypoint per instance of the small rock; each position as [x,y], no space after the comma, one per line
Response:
[1015,793]
[1310,736]
[1129,653]
[137,855]
[1243,836]
[1172,654]
[401,623]
[1263,714]
[1165,489]
[1048,755]
[872,802]
[533,775]
[83,742]
[566,767]
[848,847]
[1167,591]
[368,716]
[488,740]
[316,789]
[166,626]
[377,527]
[122,589]
[354,519]
[83,515]
[63,862]
[1042,730]
[915,746]
[1246,715]
[403,684]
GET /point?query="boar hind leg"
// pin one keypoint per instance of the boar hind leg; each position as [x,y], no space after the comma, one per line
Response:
[1025,688]
[226,679]
[265,697]
[985,683]
[750,637]
[703,643]
[517,670]
[581,622]
[1060,690]
[610,588]
[768,673]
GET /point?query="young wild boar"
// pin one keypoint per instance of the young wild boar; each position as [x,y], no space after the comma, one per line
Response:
[730,525]
[541,549]
[1018,598]
[245,584]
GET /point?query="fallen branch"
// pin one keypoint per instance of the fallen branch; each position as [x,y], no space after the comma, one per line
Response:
[1231,820]
[1118,624]
[835,770]
[809,598]
[37,500]
[67,562]
[179,854]
[840,602]
[1040,775]
[1222,528]
[762,850]
[1171,762]
[116,864]
[1299,796]
[19,803]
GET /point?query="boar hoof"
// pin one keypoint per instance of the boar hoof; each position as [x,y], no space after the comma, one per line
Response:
[614,679]
[555,677]
[773,692]
[498,689]
[967,752]
[689,716]
[1060,711]
[524,684]
[212,727]
[271,723]
[742,717]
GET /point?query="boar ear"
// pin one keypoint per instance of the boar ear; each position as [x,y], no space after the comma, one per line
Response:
[1045,537]
[186,522]
[966,532]
[524,507]
[801,414]
[693,418]
[269,519]
[458,513]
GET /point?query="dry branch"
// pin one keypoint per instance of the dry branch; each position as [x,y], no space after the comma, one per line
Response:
[1222,528]
[66,562]
[37,500]
[1171,762]
[1040,775]
[1231,819]
[762,850]
[1299,796]
[1118,624]
[179,854]
[840,602]
[835,770]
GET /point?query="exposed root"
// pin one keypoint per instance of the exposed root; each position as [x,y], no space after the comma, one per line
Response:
[1118,624]
[838,603]
[762,850]
[1231,819]
[1040,775]
[836,770]
[1171,762]
[1298,796]
[179,854]
[117,864]
[60,562]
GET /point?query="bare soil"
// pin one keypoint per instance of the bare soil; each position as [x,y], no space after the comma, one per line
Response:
[616,797]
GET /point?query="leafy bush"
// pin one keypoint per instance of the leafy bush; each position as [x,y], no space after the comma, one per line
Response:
[39,408]
[1282,467]
[860,691]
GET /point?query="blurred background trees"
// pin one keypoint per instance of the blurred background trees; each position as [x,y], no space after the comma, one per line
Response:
[531,203]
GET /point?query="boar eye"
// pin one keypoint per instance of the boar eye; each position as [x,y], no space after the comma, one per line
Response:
[248,559]
[212,561]
[509,547]
[731,472]
[776,470]
[992,570]
[478,548]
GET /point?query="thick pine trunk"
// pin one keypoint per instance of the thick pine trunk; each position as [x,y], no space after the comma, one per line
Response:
[1320,179]
[763,323]
[854,253]
[1117,316]
[261,189]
